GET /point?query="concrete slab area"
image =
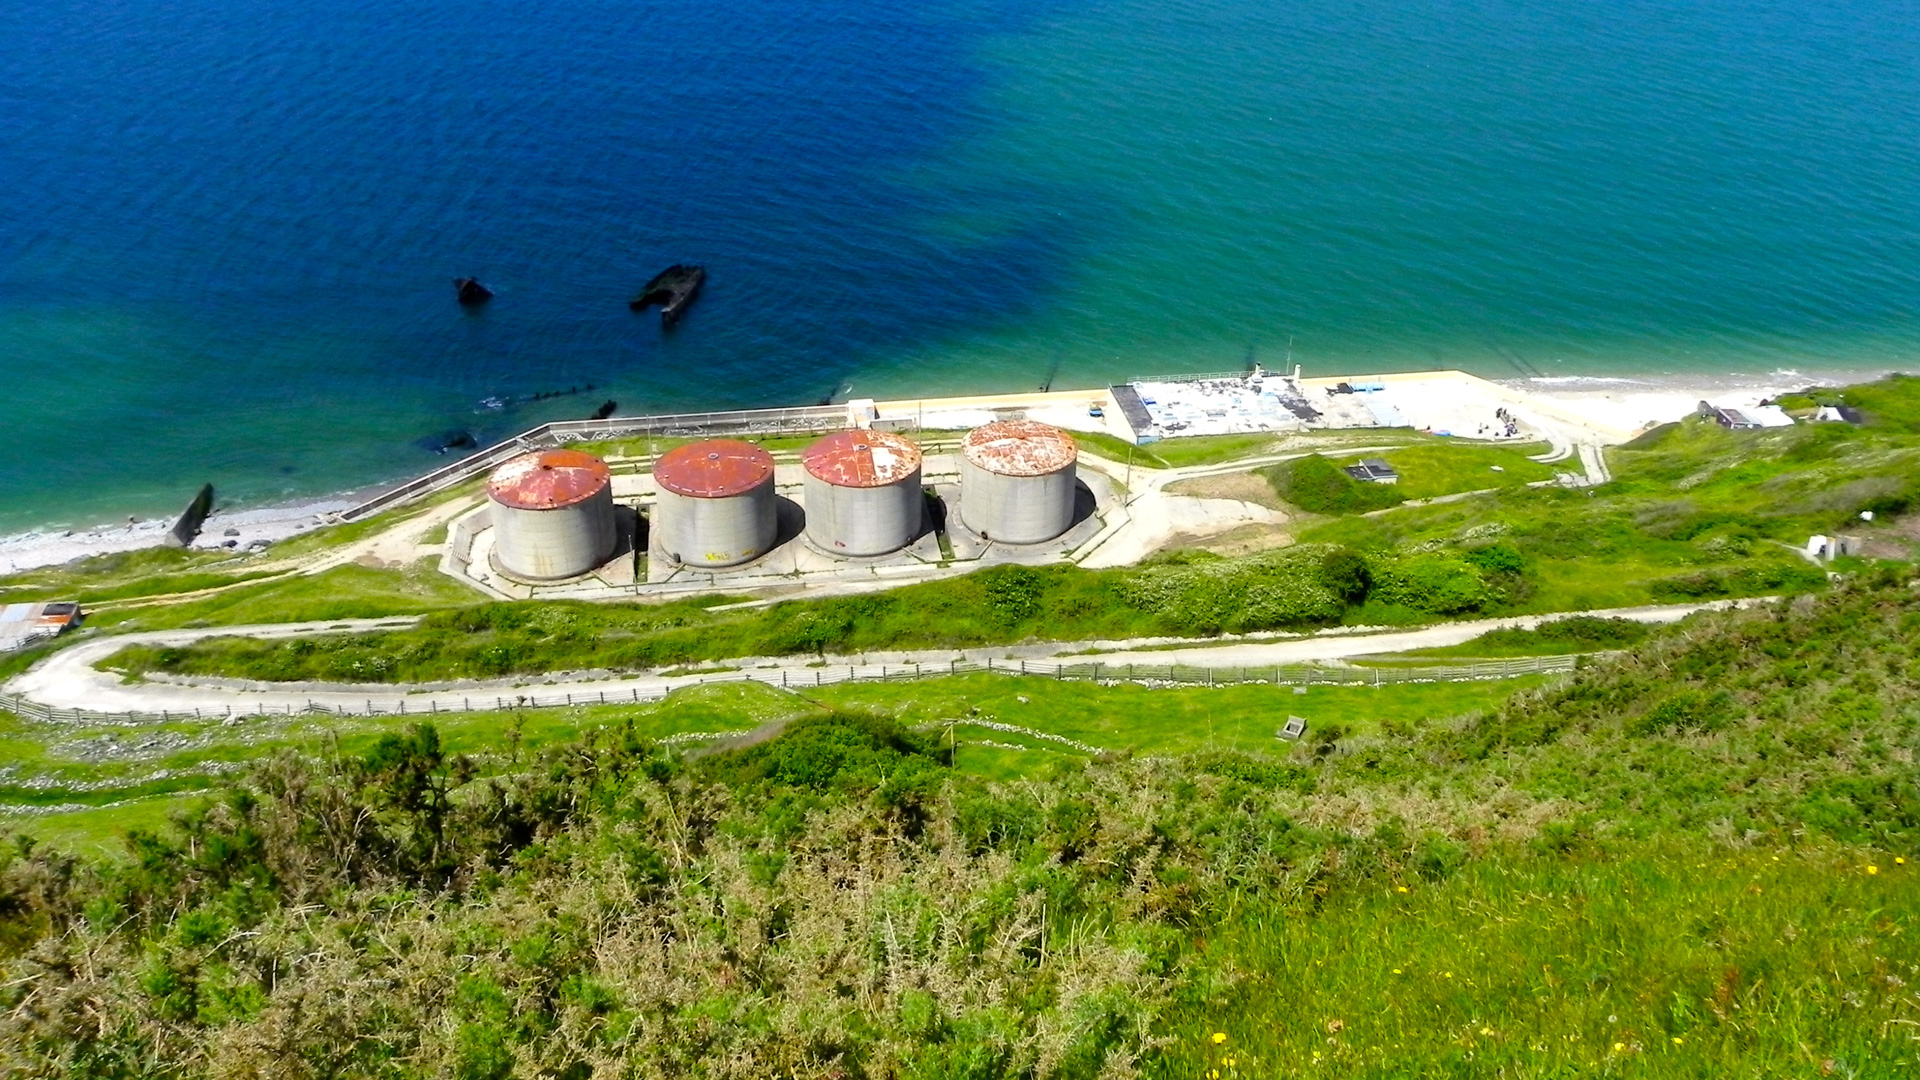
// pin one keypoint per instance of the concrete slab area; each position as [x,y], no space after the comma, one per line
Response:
[943,546]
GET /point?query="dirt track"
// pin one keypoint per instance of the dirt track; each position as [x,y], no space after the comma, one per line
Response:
[68,679]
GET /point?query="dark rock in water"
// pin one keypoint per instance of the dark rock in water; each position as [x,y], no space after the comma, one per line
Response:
[673,289]
[605,410]
[231,532]
[188,527]
[449,440]
[470,292]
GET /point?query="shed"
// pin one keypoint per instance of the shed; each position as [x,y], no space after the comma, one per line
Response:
[23,624]
[1838,414]
[1373,470]
[1731,419]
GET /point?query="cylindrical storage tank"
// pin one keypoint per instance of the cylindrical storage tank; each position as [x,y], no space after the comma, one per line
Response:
[552,515]
[863,492]
[716,505]
[1017,481]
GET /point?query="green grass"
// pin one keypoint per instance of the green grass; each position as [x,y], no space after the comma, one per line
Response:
[1560,637]
[1193,450]
[1676,960]
[1129,718]
[1694,858]
[344,592]
[1892,403]
[1121,450]
[1448,467]
[333,536]
[122,573]
[1124,718]
[1428,468]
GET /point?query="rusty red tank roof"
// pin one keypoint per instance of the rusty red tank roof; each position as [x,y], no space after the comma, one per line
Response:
[1020,448]
[548,479]
[713,469]
[862,459]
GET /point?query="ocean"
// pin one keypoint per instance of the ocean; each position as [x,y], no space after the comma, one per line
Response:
[229,231]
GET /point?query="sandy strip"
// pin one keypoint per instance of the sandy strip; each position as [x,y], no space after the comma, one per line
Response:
[236,530]
[1598,409]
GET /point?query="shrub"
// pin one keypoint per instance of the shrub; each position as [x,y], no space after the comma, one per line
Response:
[1257,592]
[1345,571]
[1437,582]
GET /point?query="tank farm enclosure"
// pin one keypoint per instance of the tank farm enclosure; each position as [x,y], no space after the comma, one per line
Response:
[1018,481]
[552,514]
[715,505]
[863,493]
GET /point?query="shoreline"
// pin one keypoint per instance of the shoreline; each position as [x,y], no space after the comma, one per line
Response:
[1610,403]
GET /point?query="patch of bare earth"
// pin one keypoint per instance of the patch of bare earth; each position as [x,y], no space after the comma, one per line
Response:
[1245,540]
[1242,487]
[1893,538]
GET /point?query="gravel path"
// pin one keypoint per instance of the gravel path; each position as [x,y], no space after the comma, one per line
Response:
[68,679]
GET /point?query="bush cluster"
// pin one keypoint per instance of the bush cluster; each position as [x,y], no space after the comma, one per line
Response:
[836,902]
[1292,587]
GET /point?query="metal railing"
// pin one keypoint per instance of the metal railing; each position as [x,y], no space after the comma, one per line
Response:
[832,675]
[561,432]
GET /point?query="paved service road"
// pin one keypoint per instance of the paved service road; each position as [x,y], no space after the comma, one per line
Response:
[68,679]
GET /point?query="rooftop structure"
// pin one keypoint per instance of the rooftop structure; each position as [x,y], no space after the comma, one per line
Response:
[862,459]
[23,624]
[1019,448]
[1373,470]
[714,469]
[548,480]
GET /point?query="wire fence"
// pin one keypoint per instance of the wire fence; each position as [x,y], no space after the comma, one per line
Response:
[428,704]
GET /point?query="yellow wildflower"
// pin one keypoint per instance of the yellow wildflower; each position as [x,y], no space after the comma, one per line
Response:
[1677,1040]
[1899,860]
[1403,888]
[1219,1037]
[1872,869]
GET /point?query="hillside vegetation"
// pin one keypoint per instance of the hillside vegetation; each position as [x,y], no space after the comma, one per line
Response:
[1690,859]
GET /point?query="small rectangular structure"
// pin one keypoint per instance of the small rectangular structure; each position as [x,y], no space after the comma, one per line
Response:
[1295,727]
[23,624]
[1374,471]
[1731,419]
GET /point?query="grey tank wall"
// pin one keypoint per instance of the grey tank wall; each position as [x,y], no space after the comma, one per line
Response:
[864,520]
[548,545]
[725,531]
[1016,509]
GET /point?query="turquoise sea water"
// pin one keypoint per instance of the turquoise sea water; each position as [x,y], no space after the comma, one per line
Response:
[228,230]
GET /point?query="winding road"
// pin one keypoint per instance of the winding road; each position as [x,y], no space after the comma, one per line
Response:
[69,680]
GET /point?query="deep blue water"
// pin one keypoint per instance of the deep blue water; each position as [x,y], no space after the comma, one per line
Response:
[228,229]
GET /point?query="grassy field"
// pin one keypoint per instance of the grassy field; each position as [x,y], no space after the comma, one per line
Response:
[125,574]
[1669,961]
[1692,858]
[83,768]
[1448,467]
[344,592]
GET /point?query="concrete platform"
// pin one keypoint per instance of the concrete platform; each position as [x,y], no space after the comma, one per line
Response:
[640,570]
